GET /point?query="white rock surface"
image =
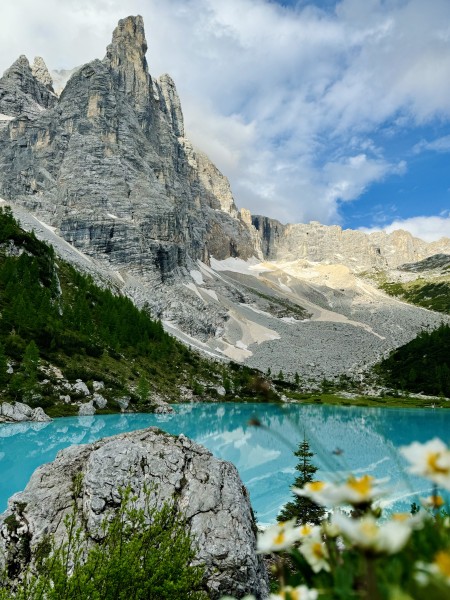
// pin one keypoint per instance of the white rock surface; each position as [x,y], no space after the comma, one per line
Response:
[18,412]
[123,402]
[99,400]
[80,387]
[87,409]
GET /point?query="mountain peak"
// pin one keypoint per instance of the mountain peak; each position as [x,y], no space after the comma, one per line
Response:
[130,34]
[17,69]
[126,57]
[41,73]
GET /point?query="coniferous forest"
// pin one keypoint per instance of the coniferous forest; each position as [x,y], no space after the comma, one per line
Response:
[422,365]
[54,316]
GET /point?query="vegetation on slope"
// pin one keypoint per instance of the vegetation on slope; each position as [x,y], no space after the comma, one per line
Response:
[434,295]
[430,288]
[145,554]
[422,365]
[57,325]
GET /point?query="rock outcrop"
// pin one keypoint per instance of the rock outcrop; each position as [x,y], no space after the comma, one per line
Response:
[270,231]
[17,412]
[109,166]
[333,245]
[41,73]
[23,95]
[208,491]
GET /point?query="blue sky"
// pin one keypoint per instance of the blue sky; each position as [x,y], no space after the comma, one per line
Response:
[331,111]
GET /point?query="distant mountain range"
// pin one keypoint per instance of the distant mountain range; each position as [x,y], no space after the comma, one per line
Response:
[104,172]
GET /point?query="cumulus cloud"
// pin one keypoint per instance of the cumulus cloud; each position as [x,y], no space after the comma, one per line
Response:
[429,229]
[285,99]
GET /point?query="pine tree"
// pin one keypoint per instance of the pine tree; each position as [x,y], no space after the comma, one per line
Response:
[3,366]
[30,363]
[143,390]
[303,509]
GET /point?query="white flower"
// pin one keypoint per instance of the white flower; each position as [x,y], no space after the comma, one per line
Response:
[413,521]
[232,598]
[315,552]
[278,537]
[315,490]
[300,592]
[367,534]
[439,568]
[306,530]
[434,502]
[430,460]
[355,491]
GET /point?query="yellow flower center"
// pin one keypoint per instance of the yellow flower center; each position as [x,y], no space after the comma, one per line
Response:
[279,539]
[369,529]
[437,501]
[317,550]
[362,486]
[432,459]
[305,530]
[442,561]
[315,486]
[400,516]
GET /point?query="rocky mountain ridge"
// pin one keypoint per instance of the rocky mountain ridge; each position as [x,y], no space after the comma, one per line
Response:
[105,172]
[333,245]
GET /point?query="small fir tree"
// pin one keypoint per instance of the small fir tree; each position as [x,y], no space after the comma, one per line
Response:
[302,509]
[3,367]
[30,364]
[143,390]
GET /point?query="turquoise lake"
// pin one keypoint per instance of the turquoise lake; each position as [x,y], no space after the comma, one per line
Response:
[368,438]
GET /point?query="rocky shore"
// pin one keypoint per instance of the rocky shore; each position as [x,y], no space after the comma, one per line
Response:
[17,412]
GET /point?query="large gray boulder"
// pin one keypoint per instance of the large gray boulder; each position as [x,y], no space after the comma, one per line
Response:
[208,491]
[17,412]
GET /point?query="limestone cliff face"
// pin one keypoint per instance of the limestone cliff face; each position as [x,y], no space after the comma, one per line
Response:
[22,94]
[108,164]
[333,245]
[269,232]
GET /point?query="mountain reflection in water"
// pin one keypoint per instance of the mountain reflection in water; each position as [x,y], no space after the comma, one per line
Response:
[345,439]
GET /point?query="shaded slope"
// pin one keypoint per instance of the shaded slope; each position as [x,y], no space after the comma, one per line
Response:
[422,365]
[57,326]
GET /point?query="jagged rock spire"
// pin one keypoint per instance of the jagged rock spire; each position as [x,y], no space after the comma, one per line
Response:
[23,94]
[173,104]
[126,57]
[41,73]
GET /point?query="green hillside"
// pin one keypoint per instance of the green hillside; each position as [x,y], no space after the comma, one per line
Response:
[57,326]
[422,365]
[434,295]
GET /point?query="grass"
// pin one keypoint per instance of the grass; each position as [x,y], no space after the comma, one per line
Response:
[369,401]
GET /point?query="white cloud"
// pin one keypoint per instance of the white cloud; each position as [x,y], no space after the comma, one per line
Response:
[429,229]
[441,144]
[284,100]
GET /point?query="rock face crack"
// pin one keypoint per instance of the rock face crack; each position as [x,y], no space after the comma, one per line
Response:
[205,490]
